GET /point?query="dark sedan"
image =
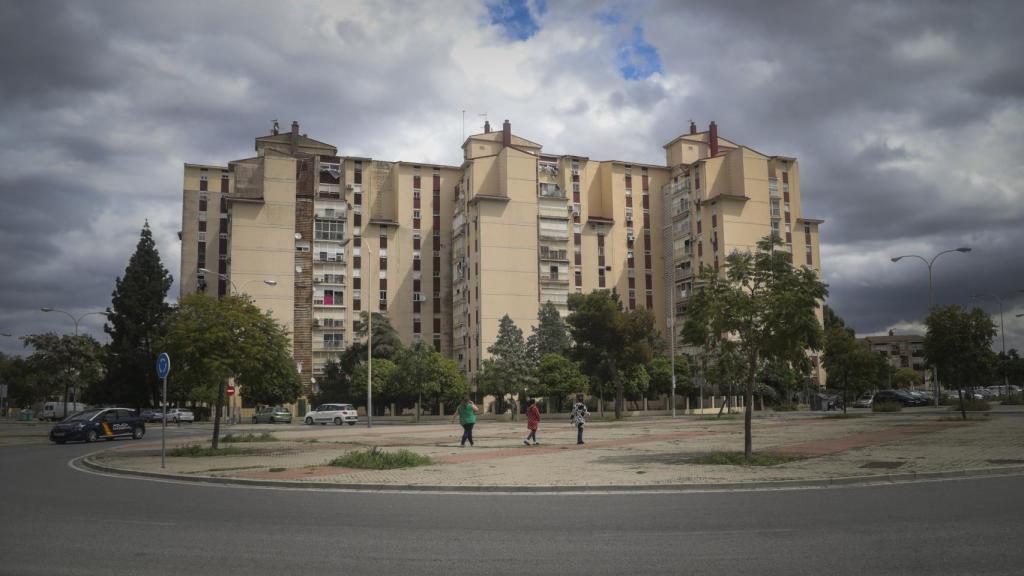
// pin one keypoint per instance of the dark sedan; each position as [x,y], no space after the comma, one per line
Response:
[106,423]
[900,397]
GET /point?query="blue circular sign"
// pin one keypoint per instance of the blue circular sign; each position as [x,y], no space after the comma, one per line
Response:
[163,365]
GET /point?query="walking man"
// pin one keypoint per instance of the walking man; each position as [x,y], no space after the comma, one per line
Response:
[467,412]
[578,416]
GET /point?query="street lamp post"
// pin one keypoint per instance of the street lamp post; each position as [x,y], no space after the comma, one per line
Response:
[1002,333]
[931,302]
[77,321]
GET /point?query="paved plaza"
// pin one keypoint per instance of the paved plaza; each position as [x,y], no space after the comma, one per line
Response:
[647,452]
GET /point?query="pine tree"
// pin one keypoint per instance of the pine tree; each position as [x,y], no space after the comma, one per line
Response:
[550,336]
[133,322]
[508,370]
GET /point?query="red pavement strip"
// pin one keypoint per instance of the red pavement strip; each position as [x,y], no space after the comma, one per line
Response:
[834,445]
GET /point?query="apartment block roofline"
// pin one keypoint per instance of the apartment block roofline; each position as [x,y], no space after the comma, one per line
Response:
[214,166]
[811,220]
[383,222]
[480,197]
[427,164]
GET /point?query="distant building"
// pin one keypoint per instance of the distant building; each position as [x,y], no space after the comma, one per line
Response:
[901,351]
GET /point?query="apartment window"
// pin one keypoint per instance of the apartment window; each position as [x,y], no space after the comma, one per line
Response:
[202,201]
[416,214]
[382,274]
[383,295]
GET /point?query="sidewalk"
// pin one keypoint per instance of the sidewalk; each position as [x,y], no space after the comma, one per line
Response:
[632,453]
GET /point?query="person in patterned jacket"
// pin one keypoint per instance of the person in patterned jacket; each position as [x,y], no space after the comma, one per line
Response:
[532,421]
[578,416]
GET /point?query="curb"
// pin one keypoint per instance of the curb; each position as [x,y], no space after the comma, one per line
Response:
[846,481]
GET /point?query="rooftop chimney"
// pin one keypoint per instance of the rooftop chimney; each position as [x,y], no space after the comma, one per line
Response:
[713,138]
[295,136]
[506,133]
[693,127]
[487,126]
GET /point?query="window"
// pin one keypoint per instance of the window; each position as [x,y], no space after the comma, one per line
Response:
[416,214]
[383,295]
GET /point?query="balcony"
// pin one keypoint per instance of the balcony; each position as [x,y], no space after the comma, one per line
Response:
[322,303]
[554,279]
[556,235]
[332,214]
[330,279]
[331,323]
[546,190]
[328,344]
[560,255]
[330,258]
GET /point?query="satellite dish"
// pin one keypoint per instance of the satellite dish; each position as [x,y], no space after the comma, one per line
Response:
[298,269]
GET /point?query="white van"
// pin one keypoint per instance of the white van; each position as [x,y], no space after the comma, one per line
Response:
[55,410]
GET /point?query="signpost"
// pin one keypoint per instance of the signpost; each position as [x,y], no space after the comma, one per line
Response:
[163,367]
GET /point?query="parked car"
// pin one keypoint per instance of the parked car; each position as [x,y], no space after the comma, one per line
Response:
[152,415]
[178,415]
[901,397]
[272,415]
[864,401]
[55,410]
[333,413]
[106,423]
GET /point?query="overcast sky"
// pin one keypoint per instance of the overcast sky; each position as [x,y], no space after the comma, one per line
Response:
[907,119]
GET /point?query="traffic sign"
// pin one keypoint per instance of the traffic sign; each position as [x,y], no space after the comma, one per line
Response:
[163,365]
[231,390]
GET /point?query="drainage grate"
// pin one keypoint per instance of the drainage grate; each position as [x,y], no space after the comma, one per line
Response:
[885,465]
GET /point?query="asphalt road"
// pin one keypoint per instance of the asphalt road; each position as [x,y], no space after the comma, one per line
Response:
[57,520]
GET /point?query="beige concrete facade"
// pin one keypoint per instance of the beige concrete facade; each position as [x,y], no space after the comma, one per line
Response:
[447,251]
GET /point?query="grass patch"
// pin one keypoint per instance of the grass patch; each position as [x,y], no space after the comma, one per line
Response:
[842,416]
[197,451]
[311,441]
[886,407]
[738,459]
[377,459]
[250,437]
[973,405]
[786,407]
[1014,400]
[278,469]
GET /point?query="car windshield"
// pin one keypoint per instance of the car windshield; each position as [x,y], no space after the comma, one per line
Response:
[82,416]
[346,407]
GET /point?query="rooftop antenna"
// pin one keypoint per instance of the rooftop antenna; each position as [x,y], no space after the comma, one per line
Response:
[276,128]
[484,116]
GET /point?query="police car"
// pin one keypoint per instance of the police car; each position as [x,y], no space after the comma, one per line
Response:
[106,423]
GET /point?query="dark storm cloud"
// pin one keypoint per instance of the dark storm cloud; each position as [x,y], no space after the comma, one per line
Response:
[906,117]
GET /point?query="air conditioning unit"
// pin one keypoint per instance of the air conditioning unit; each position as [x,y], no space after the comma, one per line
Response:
[630,237]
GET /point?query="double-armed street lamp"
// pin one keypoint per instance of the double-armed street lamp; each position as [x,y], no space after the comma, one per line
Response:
[931,300]
[234,289]
[77,321]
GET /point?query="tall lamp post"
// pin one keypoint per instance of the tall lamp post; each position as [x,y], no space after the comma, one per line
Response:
[931,301]
[1002,332]
[77,321]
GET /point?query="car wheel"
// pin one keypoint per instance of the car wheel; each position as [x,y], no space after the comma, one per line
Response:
[337,421]
[138,433]
[309,421]
[90,436]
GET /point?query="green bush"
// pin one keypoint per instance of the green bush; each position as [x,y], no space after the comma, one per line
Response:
[263,437]
[886,407]
[738,459]
[786,407]
[973,405]
[1013,400]
[377,459]
[197,451]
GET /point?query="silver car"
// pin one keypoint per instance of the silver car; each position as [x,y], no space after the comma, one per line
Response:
[180,415]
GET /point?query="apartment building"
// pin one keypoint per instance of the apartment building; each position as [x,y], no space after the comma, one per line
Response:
[901,351]
[723,197]
[446,251]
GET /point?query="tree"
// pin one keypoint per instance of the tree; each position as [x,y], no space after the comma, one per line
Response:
[766,304]
[387,387]
[332,386]
[636,383]
[559,378]
[386,343]
[959,343]
[906,378]
[660,371]
[211,340]
[550,335]
[421,369]
[508,370]
[26,384]
[64,363]
[610,341]
[851,363]
[133,322]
